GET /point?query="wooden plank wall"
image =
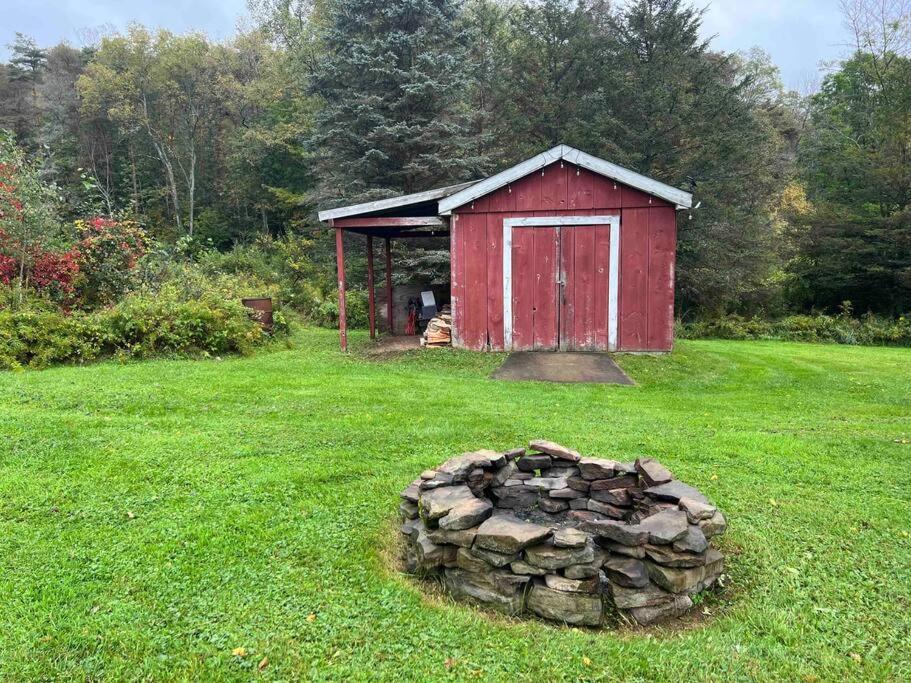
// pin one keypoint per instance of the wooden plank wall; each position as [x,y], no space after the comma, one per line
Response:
[647,256]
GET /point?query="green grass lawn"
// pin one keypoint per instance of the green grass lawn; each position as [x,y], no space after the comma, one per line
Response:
[158,515]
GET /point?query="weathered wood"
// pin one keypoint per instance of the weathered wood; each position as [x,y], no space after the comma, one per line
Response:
[389,222]
[662,230]
[547,289]
[389,306]
[340,262]
[371,291]
[634,280]
[474,322]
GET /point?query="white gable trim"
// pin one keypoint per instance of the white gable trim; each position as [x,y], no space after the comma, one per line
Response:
[392,202]
[681,199]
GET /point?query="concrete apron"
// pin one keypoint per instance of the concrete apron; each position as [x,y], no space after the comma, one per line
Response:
[546,366]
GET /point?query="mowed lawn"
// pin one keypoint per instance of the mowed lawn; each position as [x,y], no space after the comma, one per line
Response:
[156,516]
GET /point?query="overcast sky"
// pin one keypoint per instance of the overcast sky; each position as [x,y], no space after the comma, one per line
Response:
[799,34]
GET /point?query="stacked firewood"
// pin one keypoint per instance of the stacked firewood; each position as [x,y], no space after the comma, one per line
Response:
[439,330]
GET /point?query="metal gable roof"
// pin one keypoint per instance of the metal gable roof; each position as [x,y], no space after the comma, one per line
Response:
[393,202]
[681,199]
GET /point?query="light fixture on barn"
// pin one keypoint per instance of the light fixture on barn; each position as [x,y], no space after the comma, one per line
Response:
[698,204]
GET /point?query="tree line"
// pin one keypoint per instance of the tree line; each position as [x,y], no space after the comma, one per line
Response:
[804,199]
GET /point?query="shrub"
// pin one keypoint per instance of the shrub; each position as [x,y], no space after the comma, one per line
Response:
[140,326]
[108,253]
[868,330]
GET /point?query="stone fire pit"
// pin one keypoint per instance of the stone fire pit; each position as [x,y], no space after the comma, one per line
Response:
[564,537]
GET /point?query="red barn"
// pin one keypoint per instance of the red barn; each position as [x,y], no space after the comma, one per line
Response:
[564,251]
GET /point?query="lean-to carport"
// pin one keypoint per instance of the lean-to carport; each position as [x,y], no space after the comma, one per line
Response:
[407,217]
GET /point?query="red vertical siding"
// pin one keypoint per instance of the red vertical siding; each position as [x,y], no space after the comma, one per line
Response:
[494,281]
[634,279]
[584,291]
[662,239]
[474,320]
[602,284]
[456,276]
[546,289]
[523,288]
[580,188]
[647,255]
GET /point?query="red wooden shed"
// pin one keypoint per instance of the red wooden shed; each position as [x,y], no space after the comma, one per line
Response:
[564,251]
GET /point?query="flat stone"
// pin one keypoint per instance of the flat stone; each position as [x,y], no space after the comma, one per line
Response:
[560,469]
[408,510]
[546,483]
[652,471]
[494,559]
[627,468]
[449,555]
[470,562]
[597,468]
[515,497]
[581,571]
[562,583]
[696,510]
[438,502]
[665,527]
[522,567]
[555,450]
[624,482]
[693,542]
[550,557]
[523,476]
[626,571]
[538,461]
[565,494]
[514,453]
[429,554]
[578,483]
[508,534]
[673,608]
[552,505]
[570,538]
[606,509]
[461,465]
[514,482]
[579,609]
[619,497]
[413,492]
[714,525]
[504,473]
[463,537]
[637,551]
[467,514]
[673,491]
[678,580]
[437,480]
[487,588]
[428,474]
[410,527]
[664,554]
[644,596]
[619,532]
[578,504]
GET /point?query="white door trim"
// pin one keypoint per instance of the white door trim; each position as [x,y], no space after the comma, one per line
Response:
[563,221]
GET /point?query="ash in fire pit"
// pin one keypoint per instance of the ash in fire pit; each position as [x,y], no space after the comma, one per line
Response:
[564,537]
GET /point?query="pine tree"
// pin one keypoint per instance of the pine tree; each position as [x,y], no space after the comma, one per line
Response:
[393,79]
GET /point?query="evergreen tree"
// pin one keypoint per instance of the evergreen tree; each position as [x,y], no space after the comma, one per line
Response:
[393,80]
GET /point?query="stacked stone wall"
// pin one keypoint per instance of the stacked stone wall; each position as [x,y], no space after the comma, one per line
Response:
[568,538]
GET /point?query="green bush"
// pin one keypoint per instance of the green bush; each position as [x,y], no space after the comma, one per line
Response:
[868,330]
[140,326]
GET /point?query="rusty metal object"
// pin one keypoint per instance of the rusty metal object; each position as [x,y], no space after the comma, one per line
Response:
[260,310]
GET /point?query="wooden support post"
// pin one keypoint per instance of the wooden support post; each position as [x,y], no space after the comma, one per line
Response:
[340,259]
[389,286]
[371,294]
